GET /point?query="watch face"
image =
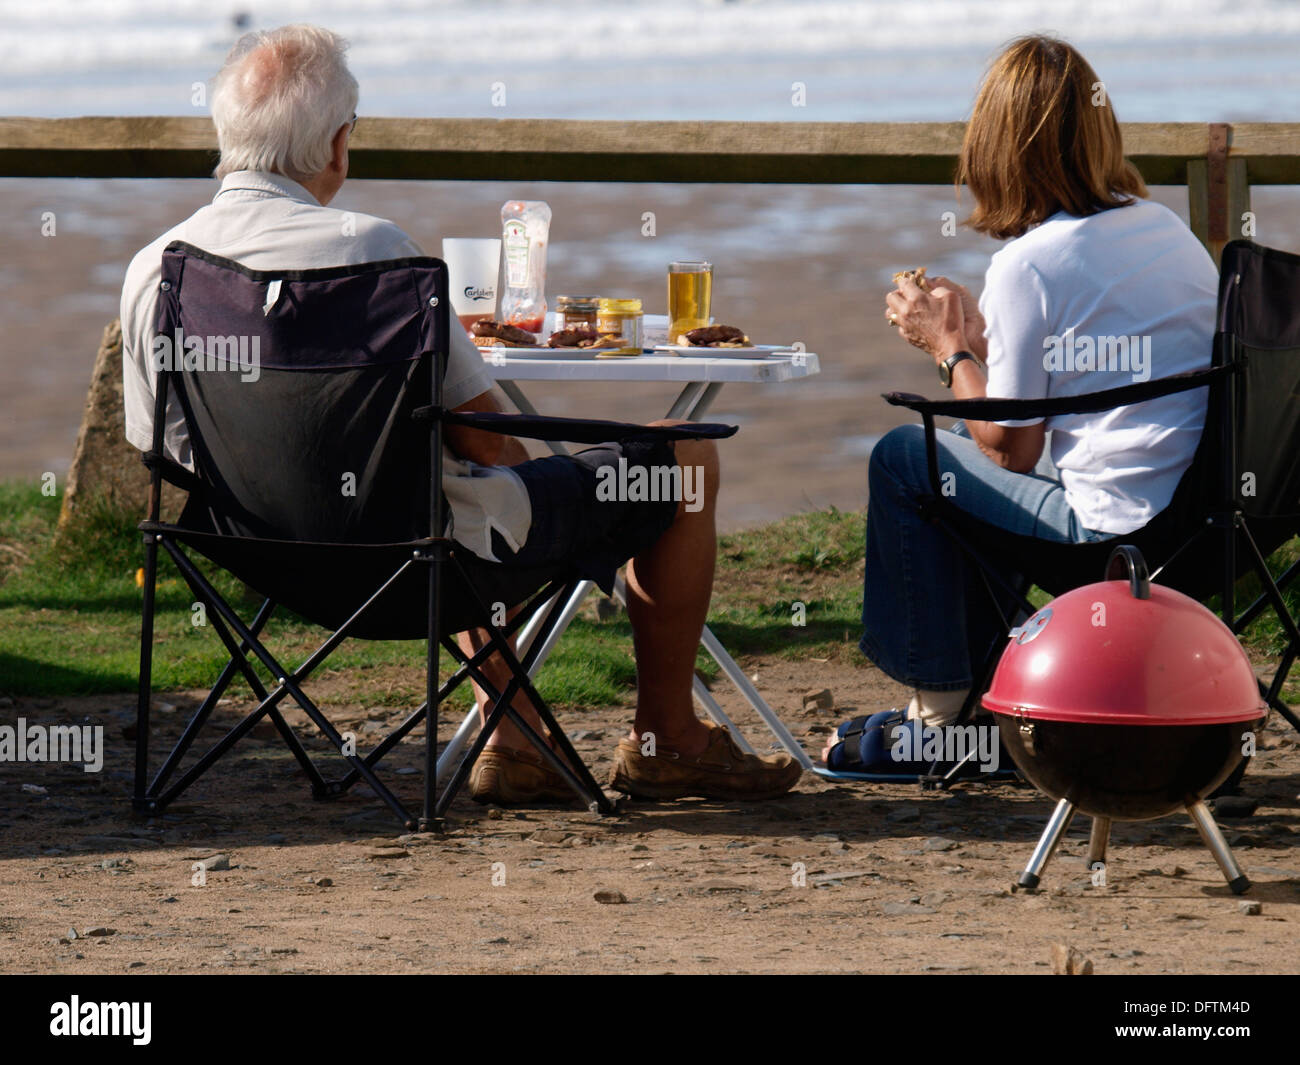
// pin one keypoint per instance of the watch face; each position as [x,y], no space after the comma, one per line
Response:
[945,374]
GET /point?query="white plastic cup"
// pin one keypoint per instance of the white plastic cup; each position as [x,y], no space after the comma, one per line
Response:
[473,268]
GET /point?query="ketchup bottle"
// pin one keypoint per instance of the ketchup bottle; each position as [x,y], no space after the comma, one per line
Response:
[525,231]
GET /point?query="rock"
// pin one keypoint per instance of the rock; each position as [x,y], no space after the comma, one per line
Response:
[1235,806]
[276,839]
[818,699]
[136,965]
[215,864]
[1249,908]
[99,930]
[587,734]
[939,843]
[494,814]
[113,863]
[826,837]
[610,897]
[552,836]
[386,854]
[716,886]
[1068,961]
[903,813]
[34,789]
[105,468]
[284,950]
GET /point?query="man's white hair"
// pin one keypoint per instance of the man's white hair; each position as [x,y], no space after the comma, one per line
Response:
[279,99]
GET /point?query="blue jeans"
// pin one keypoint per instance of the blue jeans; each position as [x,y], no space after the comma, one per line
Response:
[924,611]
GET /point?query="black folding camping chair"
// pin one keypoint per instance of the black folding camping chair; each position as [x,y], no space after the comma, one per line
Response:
[1234,506]
[313,405]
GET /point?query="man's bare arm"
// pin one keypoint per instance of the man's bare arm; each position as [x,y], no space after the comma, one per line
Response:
[477,445]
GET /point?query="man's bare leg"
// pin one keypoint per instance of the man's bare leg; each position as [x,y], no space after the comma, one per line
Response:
[506,734]
[668,587]
[668,591]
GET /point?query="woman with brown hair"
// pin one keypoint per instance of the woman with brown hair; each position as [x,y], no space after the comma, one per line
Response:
[1096,287]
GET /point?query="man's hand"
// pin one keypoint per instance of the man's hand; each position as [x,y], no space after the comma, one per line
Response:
[480,446]
[932,321]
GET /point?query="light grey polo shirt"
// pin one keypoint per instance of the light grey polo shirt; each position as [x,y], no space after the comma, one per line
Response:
[267,222]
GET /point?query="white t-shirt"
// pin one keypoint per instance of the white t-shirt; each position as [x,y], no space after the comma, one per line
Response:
[268,222]
[1080,305]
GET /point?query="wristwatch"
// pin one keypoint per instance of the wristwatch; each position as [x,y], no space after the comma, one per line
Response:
[949,364]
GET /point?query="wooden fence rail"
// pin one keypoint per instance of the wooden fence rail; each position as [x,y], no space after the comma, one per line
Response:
[1218,163]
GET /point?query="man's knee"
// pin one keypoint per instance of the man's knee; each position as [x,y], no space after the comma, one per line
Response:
[701,470]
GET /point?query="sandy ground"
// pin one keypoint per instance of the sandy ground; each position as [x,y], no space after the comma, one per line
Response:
[895,879]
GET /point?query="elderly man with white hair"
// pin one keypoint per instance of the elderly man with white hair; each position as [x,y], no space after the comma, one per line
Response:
[284,105]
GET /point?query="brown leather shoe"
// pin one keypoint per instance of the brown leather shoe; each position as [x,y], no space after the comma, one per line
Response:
[507,777]
[721,771]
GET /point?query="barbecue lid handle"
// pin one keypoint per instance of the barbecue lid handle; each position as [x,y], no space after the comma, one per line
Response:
[1127,561]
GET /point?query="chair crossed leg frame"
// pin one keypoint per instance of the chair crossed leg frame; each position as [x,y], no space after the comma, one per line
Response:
[151,797]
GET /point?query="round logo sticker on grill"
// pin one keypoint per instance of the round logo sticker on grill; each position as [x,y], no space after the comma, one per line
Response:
[1031,628]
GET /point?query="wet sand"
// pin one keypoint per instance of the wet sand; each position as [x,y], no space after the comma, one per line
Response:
[790,263]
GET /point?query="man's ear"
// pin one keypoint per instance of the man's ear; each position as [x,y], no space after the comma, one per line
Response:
[339,149]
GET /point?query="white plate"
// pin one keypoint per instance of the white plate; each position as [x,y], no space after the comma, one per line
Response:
[543,352]
[757,351]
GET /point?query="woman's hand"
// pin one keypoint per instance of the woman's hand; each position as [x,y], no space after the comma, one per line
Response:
[930,320]
[970,309]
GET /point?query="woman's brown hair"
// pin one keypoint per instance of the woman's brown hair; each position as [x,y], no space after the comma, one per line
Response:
[1043,138]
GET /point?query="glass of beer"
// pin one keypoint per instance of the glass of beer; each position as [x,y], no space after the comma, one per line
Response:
[472,269]
[690,290]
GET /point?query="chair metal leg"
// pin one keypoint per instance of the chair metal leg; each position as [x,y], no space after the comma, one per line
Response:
[1056,826]
[145,693]
[1098,839]
[1213,838]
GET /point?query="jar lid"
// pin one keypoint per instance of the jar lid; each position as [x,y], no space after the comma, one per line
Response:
[571,301]
[608,306]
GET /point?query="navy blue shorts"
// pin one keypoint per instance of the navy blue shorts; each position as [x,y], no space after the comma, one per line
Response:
[574,532]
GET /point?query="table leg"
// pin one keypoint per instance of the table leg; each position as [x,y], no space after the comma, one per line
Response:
[525,406]
[687,400]
[704,402]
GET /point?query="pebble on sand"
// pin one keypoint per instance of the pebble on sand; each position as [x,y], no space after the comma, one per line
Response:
[610,897]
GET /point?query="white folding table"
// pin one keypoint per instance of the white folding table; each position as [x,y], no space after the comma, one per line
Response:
[702,378]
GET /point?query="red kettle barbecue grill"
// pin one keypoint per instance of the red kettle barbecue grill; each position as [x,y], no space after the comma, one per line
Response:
[1126,701]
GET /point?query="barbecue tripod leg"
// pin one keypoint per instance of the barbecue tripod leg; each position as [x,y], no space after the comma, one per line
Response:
[1056,826]
[1213,838]
[1097,841]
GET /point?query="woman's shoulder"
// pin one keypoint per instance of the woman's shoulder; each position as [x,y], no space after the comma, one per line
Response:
[1073,242]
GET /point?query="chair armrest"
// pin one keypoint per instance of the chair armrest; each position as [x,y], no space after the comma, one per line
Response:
[576,430]
[999,410]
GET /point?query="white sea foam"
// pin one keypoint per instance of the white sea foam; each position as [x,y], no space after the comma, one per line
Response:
[871,59]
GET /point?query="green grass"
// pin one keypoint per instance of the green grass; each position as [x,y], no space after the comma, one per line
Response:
[70,613]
